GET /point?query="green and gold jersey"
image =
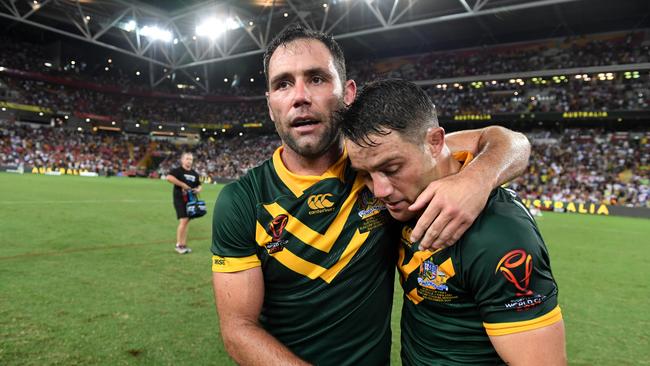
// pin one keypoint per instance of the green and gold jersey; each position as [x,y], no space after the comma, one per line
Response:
[496,280]
[328,262]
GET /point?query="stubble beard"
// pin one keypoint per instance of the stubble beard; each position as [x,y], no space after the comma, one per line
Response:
[330,136]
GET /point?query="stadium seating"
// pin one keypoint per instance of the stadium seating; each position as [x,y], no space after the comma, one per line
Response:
[583,166]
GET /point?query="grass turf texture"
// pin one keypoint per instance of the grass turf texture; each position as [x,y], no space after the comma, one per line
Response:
[88,275]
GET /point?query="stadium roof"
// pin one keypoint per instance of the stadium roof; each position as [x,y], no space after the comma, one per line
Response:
[166,33]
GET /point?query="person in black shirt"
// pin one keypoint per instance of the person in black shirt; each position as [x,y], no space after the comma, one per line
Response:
[184,179]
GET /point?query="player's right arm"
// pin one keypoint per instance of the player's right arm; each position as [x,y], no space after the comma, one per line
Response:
[238,283]
[239,297]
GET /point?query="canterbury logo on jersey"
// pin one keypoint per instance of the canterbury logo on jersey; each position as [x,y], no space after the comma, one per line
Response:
[323,242]
[320,201]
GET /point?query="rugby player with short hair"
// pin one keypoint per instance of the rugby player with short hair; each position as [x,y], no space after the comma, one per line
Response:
[489,299]
[303,264]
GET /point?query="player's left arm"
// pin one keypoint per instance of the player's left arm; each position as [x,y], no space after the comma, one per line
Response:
[455,201]
[508,271]
[542,346]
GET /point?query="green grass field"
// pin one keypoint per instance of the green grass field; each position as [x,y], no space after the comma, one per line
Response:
[88,275]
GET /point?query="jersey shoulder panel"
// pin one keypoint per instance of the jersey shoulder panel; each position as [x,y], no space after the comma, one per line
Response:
[234,218]
[505,262]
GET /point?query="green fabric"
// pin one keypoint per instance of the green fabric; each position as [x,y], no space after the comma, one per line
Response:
[344,322]
[446,327]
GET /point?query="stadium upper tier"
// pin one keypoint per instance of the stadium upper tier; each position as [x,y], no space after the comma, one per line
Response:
[28,78]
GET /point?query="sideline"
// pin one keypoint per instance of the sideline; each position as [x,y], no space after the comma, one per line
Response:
[90,249]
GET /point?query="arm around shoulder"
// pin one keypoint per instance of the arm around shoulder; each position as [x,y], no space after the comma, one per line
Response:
[454,202]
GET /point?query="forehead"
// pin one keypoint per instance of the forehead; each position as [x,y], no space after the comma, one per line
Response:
[300,54]
[388,148]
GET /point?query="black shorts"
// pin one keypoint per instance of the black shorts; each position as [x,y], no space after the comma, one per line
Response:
[180,206]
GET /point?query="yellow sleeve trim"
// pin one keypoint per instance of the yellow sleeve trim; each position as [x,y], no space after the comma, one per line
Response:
[497,329]
[234,264]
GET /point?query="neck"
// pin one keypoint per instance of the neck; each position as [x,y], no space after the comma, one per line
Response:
[302,165]
[446,164]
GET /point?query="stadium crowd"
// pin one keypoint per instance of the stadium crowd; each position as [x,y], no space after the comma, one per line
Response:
[562,53]
[120,107]
[24,146]
[502,96]
[25,56]
[602,168]
[576,165]
[588,166]
[572,94]
[492,97]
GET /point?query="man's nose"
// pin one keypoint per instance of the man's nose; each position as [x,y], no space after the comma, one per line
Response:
[301,94]
[382,187]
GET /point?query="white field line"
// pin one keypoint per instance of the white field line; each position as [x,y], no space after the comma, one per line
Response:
[54,202]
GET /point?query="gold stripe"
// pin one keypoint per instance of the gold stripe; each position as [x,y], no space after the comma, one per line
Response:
[416,260]
[299,183]
[353,246]
[307,268]
[414,297]
[448,267]
[261,236]
[234,264]
[287,258]
[310,237]
[496,329]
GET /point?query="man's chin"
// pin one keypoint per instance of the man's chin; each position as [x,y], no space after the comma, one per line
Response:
[402,215]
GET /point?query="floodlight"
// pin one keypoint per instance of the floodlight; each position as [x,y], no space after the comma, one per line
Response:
[156,33]
[130,26]
[213,27]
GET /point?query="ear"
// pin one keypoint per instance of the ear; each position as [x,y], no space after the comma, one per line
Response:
[435,140]
[350,92]
[268,105]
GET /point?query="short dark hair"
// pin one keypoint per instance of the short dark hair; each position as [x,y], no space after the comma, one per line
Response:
[389,105]
[295,32]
